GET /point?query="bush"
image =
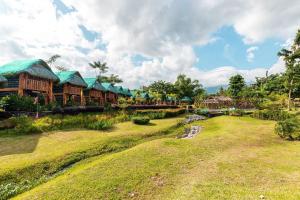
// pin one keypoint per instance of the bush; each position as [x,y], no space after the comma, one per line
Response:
[100,125]
[141,120]
[160,114]
[277,115]
[288,129]
[237,112]
[24,125]
[201,112]
[15,102]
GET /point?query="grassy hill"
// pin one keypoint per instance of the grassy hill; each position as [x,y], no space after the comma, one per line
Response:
[233,158]
[28,160]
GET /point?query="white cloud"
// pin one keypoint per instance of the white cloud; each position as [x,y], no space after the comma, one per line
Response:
[162,31]
[250,53]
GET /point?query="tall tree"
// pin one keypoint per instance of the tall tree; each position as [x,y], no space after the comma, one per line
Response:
[236,86]
[184,86]
[162,88]
[51,61]
[101,67]
[291,58]
[111,79]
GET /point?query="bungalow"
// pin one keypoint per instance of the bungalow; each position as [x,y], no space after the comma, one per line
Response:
[120,91]
[94,92]
[186,100]
[111,94]
[217,102]
[3,82]
[140,96]
[28,77]
[127,92]
[70,88]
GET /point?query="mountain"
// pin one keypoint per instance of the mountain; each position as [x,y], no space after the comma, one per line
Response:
[214,89]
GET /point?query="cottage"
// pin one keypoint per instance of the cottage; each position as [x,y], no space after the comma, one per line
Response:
[186,100]
[3,82]
[120,91]
[140,96]
[28,77]
[217,102]
[95,92]
[111,94]
[127,92]
[69,90]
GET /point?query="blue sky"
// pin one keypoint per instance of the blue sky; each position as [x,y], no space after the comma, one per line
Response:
[145,41]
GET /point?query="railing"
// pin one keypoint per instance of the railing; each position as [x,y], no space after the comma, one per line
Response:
[95,93]
[72,90]
[37,84]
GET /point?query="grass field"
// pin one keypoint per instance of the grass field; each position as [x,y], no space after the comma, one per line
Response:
[233,158]
[25,159]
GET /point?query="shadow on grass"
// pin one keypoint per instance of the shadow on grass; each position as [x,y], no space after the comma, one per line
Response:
[18,144]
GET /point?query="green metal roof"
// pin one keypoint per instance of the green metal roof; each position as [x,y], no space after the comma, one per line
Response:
[93,83]
[71,77]
[34,67]
[2,79]
[119,90]
[143,95]
[127,92]
[186,98]
[109,87]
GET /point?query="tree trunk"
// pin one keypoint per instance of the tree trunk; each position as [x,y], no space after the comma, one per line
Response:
[290,94]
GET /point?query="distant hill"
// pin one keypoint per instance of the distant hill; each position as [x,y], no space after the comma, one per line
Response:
[215,89]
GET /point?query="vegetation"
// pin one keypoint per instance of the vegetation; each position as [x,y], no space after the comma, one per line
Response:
[141,120]
[288,129]
[102,68]
[232,158]
[277,115]
[17,103]
[28,160]
[292,63]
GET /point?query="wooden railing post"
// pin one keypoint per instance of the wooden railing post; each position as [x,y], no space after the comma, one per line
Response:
[21,84]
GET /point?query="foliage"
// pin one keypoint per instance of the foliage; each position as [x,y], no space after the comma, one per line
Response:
[141,120]
[160,114]
[113,78]
[292,63]
[184,86]
[100,125]
[277,115]
[236,112]
[107,107]
[236,86]
[161,89]
[288,129]
[203,112]
[101,67]
[198,99]
[15,102]
[24,125]
[122,103]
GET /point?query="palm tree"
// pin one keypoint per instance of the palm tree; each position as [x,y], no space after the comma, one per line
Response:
[102,67]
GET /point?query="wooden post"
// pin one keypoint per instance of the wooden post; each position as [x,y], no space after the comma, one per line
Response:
[81,97]
[50,91]
[64,94]
[21,84]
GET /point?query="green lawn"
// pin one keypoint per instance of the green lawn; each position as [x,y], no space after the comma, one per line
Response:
[30,157]
[233,158]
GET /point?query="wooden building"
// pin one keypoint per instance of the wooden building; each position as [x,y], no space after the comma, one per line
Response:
[95,92]
[28,77]
[69,90]
[218,102]
[111,94]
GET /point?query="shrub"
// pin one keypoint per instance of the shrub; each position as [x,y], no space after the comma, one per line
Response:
[100,125]
[201,112]
[277,115]
[237,112]
[160,114]
[24,125]
[141,120]
[15,102]
[288,129]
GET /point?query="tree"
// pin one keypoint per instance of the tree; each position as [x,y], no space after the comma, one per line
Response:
[184,86]
[291,58]
[101,67]
[162,88]
[236,86]
[52,60]
[111,79]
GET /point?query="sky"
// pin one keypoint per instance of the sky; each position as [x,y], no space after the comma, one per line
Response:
[149,40]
